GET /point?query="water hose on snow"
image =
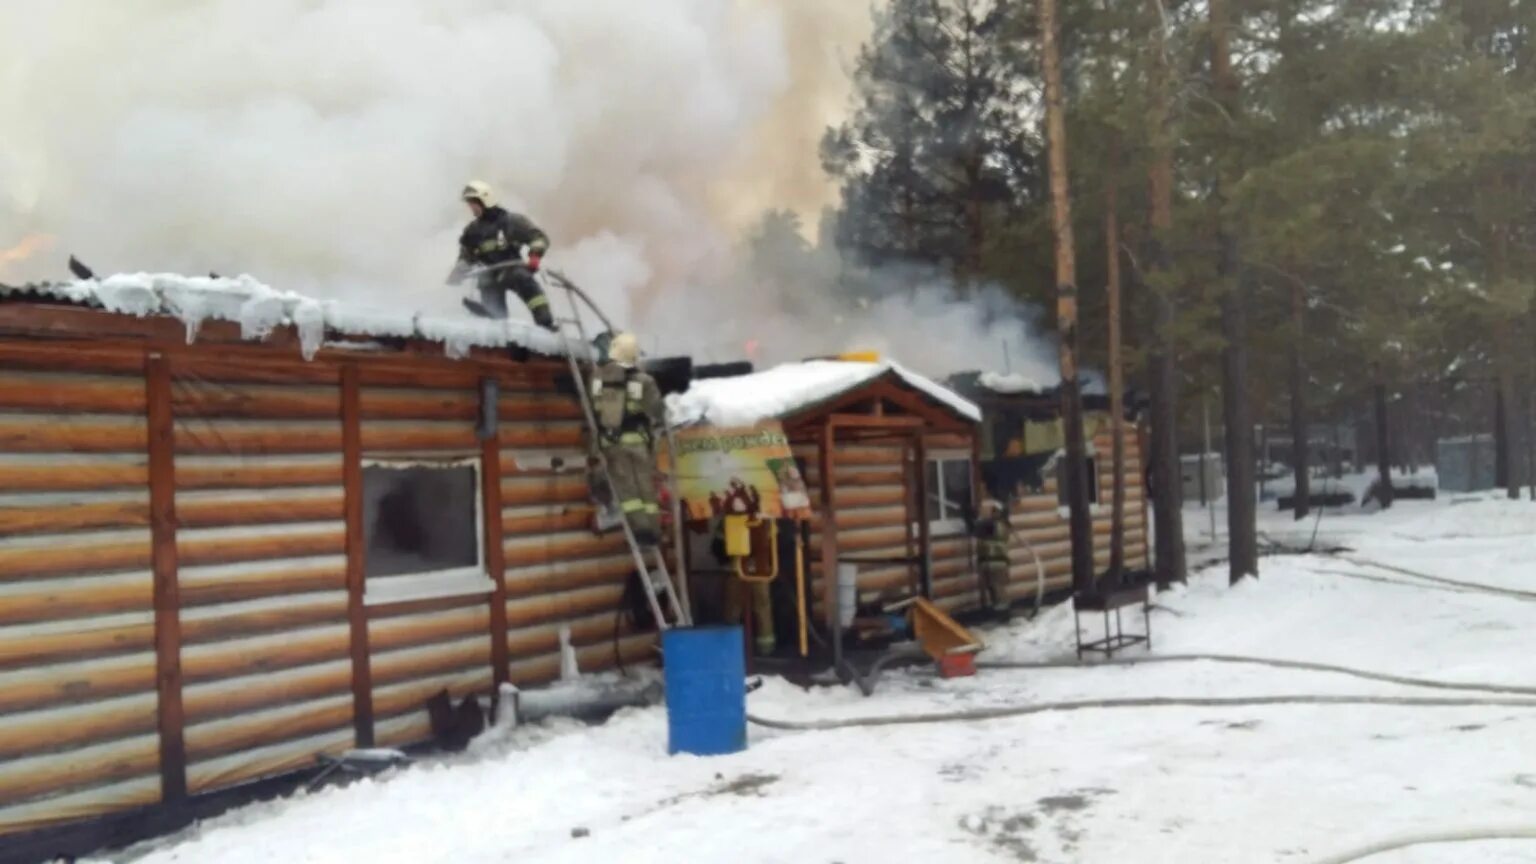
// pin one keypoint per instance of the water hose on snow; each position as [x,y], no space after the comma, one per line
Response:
[1473,835]
[1008,711]
[1301,665]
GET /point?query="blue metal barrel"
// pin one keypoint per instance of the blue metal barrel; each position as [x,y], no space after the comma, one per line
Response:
[706,690]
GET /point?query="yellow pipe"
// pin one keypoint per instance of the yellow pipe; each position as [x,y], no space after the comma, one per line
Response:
[800,592]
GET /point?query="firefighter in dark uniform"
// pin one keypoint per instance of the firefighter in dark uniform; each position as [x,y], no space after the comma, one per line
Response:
[992,555]
[493,244]
[630,411]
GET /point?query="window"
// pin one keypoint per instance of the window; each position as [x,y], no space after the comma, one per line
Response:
[422,530]
[949,492]
[1091,464]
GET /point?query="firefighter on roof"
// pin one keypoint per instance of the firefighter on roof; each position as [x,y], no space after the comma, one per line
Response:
[992,555]
[491,248]
[629,412]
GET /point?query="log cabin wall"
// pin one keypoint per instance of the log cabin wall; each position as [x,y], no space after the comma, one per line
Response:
[874,496]
[260,539]
[78,722]
[183,603]
[1039,520]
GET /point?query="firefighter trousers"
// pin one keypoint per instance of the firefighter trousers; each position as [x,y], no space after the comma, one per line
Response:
[519,280]
[632,470]
[994,581]
[742,597]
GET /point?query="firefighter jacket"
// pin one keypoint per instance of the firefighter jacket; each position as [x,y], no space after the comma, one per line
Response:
[498,237]
[628,405]
[992,540]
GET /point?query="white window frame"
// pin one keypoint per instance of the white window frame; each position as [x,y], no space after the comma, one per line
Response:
[954,525]
[433,584]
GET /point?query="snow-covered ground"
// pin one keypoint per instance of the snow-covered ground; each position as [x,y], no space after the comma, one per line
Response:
[1173,784]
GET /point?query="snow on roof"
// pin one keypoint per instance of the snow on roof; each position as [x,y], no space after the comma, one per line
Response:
[1010,384]
[259,309]
[791,387]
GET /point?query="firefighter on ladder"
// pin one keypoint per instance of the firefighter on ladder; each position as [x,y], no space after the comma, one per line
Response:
[992,555]
[629,411]
[493,245]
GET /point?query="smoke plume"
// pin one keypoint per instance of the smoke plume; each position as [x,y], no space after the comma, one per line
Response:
[319,145]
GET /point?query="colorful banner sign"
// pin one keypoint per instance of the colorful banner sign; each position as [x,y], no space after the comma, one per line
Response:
[741,470]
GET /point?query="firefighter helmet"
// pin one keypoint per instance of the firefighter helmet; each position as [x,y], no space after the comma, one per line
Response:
[479,190]
[625,349]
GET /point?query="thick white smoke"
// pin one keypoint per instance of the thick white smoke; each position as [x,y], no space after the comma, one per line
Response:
[319,145]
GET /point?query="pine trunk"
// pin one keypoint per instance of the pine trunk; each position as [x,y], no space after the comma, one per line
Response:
[1116,370]
[1301,451]
[1066,305]
[1504,411]
[1242,507]
[1383,448]
[1167,494]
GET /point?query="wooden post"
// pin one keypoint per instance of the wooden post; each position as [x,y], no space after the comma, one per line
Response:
[1301,450]
[167,592]
[924,530]
[495,552]
[357,614]
[979,493]
[912,506]
[829,530]
[1066,304]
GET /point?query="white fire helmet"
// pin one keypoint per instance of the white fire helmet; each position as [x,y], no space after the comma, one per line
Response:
[479,190]
[625,349]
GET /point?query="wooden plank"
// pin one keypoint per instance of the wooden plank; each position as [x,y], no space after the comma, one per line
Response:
[438,404]
[162,507]
[202,589]
[73,517]
[21,434]
[76,683]
[552,608]
[91,766]
[67,394]
[34,355]
[43,732]
[195,398]
[225,512]
[495,552]
[241,733]
[414,631]
[394,667]
[297,614]
[572,518]
[270,690]
[567,576]
[83,643]
[231,550]
[405,608]
[522,552]
[255,438]
[544,490]
[356,552]
[79,477]
[49,602]
[256,475]
[222,660]
[93,557]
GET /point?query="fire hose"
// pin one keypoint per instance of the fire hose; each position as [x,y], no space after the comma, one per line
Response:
[1472,835]
[1379,847]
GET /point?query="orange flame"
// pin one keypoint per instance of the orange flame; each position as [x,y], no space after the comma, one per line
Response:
[28,246]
